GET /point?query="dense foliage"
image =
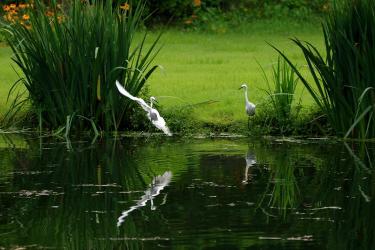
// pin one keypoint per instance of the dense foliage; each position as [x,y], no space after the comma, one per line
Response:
[71,59]
[183,10]
[344,80]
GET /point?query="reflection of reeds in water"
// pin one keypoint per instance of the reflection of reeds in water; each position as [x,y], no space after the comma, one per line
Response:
[89,187]
[284,193]
[355,227]
[285,190]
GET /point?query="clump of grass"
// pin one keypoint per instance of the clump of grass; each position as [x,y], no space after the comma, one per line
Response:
[344,80]
[281,91]
[71,58]
[284,87]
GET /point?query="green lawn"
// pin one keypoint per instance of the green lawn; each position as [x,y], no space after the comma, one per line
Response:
[199,67]
[7,76]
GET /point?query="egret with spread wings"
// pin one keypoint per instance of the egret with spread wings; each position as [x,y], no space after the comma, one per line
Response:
[152,114]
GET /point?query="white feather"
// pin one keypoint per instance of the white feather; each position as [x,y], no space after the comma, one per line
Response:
[140,101]
[159,122]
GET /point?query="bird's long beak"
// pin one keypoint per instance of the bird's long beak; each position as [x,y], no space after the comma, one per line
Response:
[239,88]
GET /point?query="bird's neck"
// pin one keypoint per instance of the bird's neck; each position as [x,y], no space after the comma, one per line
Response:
[246,98]
[151,103]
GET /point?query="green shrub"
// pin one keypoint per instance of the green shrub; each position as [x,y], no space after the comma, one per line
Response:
[170,9]
[344,80]
[185,11]
[71,59]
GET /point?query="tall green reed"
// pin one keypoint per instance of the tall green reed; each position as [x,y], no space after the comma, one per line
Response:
[282,112]
[71,59]
[343,82]
[282,90]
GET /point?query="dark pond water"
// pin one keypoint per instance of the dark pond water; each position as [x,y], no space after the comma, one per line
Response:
[185,194]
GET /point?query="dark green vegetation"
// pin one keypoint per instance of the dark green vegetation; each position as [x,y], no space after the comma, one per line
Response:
[69,63]
[214,15]
[297,195]
[282,94]
[344,81]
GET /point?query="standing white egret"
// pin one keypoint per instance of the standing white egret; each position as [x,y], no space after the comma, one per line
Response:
[152,114]
[249,106]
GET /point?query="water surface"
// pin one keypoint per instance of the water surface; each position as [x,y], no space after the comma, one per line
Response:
[155,193]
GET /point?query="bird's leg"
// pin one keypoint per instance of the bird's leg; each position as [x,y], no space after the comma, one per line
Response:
[152,204]
[164,200]
[248,123]
[245,179]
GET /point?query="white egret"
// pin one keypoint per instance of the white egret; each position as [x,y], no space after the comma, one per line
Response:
[152,114]
[157,185]
[249,106]
[250,161]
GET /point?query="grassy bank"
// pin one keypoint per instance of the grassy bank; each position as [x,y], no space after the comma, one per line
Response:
[209,67]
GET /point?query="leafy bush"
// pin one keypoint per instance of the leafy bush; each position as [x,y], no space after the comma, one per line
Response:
[186,11]
[71,59]
[344,81]
[167,10]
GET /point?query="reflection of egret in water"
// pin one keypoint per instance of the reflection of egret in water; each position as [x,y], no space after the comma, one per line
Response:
[157,184]
[250,161]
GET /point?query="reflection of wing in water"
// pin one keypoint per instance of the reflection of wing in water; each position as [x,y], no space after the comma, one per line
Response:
[250,161]
[157,184]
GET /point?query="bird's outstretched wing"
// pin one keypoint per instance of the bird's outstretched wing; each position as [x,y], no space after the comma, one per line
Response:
[140,101]
[160,123]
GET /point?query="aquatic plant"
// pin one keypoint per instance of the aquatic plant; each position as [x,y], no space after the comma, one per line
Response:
[279,113]
[281,92]
[71,58]
[343,82]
